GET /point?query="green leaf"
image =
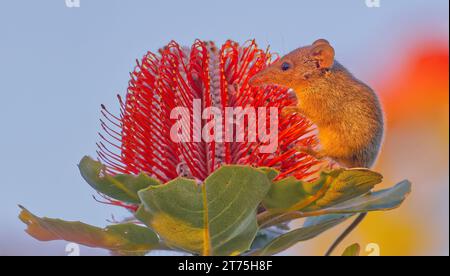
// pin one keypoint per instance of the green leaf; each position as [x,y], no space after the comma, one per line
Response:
[374,201]
[309,230]
[291,194]
[270,172]
[386,199]
[329,189]
[123,239]
[122,187]
[352,250]
[215,218]
[265,236]
[349,184]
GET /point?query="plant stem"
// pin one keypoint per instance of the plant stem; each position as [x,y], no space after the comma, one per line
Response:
[346,232]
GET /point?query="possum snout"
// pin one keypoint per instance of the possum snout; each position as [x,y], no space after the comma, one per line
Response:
[267,76]
[270,76]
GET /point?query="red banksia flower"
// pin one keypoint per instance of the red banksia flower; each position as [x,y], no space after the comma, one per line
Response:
[138,140]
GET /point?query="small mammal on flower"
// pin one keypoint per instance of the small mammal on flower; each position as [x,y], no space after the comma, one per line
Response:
[347,112]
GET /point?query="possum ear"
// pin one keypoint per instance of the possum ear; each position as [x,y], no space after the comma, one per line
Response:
[323,53]
[321,41]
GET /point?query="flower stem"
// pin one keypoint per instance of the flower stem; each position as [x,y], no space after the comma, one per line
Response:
[347,232]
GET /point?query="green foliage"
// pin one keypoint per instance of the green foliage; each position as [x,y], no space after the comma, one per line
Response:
[122,239]
[309,230]
[121,187]
[224,215]
[291,194]
[352,251]
[216,218]
[382,200]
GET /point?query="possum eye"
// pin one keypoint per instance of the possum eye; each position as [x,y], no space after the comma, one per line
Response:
[285,66]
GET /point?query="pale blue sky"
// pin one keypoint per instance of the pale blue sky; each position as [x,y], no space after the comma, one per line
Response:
[57,65]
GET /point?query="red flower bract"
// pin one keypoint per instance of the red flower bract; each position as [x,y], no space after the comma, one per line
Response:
[139,139]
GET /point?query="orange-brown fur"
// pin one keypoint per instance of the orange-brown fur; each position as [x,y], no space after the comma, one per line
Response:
[346,111]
